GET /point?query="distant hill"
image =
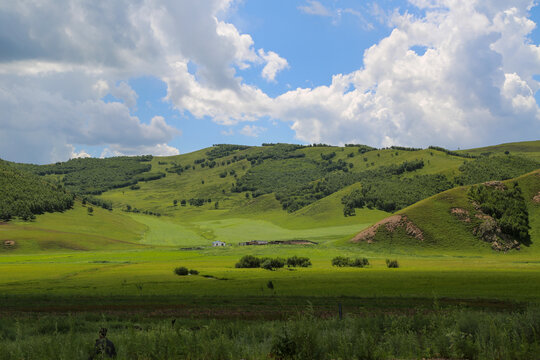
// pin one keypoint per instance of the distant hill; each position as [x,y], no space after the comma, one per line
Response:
[464,219]
[530,149]
[293,186]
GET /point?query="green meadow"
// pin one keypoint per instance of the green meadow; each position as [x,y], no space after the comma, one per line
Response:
[115,267]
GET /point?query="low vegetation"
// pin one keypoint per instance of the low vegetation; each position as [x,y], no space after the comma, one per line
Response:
[341,261]
[392,264]
[434,334]
[268,263]
[183,271]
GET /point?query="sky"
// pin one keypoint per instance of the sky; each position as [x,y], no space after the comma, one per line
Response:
[106,78]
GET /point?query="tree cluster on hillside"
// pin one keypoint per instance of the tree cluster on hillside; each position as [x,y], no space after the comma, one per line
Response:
[24,195]
[404,148]
[506,206]
[276,152]
[177,168]
[105,204]
[391,194]
[222,150]
[94,176]
[453,153]
[494,168]
[293,199]
[273,176]
[361,148]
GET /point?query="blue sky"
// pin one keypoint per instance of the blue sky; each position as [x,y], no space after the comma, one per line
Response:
[112,79]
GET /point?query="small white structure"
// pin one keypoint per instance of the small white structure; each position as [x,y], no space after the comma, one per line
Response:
[218,243]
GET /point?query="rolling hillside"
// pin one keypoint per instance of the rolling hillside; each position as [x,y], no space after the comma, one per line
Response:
[276,191]
[453,221]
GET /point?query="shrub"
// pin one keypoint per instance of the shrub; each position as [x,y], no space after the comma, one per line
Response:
[392,263]
[271,264]
[298,261]
[193,272]
[248,261]
[359,262]
[341,261]
[181,271]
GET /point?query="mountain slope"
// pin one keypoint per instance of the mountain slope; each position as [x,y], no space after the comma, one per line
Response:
[74,229]
[449,221]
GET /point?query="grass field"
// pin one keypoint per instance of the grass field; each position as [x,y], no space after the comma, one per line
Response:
[118,266]
[462,334]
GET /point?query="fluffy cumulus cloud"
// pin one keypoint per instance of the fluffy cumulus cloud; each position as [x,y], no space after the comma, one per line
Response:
[473,85]
[473,82]
[59,59]
[274,64]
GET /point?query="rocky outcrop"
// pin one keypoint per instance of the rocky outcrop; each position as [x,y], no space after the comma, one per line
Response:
[391,224]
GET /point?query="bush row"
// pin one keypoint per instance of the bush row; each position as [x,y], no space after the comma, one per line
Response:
[341,261]
[250,261]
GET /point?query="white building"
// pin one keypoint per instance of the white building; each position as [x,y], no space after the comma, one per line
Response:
[218,243]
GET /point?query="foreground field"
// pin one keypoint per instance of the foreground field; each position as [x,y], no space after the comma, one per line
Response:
[459,334]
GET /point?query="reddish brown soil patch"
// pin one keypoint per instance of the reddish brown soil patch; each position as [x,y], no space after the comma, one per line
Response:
[536,199]
[9,243]
[496,185]
[391,224]
[461,214]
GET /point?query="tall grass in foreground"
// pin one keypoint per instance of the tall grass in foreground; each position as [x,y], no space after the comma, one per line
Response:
[454,334]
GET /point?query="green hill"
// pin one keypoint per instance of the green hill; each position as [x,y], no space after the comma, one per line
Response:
[74,229]
[456,220]
[530,149]
[238,193]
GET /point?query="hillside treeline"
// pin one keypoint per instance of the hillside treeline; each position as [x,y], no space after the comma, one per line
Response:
[95,176]
[392,194]
[24,195]
[300,182]
[295,199]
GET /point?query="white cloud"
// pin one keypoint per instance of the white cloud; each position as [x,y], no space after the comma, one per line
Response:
[59,59]
[314,7]
[125,93]
[80,154]
[274,64]
[252,130]
[472,86]
[156,150]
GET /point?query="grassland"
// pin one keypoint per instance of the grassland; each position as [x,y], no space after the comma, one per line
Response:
[431,334]
[120,264]
[75,254]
